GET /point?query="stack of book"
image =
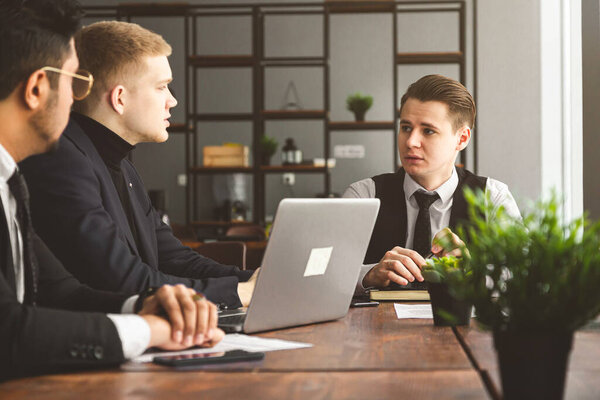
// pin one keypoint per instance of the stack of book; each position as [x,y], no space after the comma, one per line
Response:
[394,292]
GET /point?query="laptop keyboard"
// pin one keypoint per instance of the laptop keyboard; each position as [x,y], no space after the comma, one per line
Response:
[232,319]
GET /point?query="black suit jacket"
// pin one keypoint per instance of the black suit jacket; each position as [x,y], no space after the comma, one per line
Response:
[77,211]
[55,335]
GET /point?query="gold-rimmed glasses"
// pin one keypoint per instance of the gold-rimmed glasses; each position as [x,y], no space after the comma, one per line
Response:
[82,82]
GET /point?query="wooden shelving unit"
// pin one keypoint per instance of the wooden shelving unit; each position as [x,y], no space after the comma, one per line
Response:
[219,224]
[361,126]
[293,114]
[257,62]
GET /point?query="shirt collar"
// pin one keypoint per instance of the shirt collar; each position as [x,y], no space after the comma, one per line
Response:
[445,191]
[7,165]
[111,147]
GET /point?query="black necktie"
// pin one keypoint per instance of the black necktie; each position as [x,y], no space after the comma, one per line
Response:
[422,238]
[18,188]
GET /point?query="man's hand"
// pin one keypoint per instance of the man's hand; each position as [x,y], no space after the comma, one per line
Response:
[161,334]
[245,289]
[398,265]
[192,320]
[447,243]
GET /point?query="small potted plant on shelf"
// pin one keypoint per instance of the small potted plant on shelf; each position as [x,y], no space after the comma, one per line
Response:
[359,104]
[533,283]
[268,147]
[446,278]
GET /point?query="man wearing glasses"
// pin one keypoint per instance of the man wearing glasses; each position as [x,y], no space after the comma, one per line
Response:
[88,202]
[50,322]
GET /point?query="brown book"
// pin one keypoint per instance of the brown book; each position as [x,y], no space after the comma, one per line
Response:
[399,295]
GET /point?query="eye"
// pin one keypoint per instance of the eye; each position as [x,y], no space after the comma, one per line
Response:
[163,87]
[405,128]
[428,131]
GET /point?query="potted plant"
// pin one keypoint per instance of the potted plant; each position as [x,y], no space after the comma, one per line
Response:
[268,147]
[359,104]
[446,277]
[533,283]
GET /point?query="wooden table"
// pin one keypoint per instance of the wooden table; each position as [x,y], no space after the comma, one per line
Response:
[369,354]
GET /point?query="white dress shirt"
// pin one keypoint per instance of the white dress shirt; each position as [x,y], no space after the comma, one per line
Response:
[439,211]
[133,330]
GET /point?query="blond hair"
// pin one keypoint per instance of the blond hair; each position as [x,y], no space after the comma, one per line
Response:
[114,51]
[461,106]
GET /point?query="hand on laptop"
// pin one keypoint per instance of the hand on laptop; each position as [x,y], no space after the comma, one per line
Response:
[398,265]
[192,320]
[245,289]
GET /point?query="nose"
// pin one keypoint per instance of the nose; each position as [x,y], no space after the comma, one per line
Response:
[171,101]
[413,139]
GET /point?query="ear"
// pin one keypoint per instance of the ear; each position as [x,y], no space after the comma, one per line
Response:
[464,137]
[116,99]
[36,90]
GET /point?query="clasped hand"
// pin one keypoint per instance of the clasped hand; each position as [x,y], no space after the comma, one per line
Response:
[190,318]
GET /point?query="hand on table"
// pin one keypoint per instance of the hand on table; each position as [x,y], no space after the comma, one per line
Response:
[398,265]
[191,319]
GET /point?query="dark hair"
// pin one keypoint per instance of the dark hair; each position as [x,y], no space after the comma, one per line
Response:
[461,106]
[33,34]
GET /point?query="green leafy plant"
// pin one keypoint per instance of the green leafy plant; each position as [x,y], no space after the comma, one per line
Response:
[268,146]
[359,103]
[535,275]
[448,269]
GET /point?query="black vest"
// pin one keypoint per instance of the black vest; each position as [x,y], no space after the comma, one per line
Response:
[390,227]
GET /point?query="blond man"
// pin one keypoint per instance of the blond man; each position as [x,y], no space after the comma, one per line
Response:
[89,202]
[424,198]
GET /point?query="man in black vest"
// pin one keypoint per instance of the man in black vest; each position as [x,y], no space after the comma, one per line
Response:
[49,322]
[89,193]
[424,199]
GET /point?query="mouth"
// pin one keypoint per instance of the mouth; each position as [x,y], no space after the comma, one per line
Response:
[167,120]
[413,158]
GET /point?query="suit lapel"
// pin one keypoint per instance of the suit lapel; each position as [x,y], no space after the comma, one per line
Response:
[143,222]
[110,197]
[6,252]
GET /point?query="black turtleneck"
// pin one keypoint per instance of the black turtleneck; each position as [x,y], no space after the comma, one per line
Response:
[113,149]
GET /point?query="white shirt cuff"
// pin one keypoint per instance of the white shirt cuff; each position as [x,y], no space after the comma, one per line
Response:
[134,333]
[129,305]
[360,289]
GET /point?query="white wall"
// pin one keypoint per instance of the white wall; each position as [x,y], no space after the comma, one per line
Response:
[529,101]
[591,106]
[508,101]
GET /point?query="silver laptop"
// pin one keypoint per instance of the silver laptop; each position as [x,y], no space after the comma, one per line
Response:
[311,264]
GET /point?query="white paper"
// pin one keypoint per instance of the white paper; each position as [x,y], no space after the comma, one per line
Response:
[318,261]
[233,341]
[404,311]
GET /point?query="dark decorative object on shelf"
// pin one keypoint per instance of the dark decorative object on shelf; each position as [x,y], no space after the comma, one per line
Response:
[291,155]
[359,104]
[268,147]
[238,211]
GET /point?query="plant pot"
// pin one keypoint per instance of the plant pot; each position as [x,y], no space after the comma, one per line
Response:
[265,159]
[533,365]
[448,310]
[359,116]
